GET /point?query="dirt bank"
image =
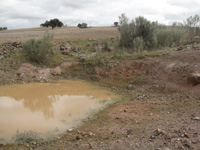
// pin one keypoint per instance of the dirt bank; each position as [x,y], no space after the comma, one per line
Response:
[159,110]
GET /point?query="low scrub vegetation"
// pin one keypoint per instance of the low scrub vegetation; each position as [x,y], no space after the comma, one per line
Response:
[141,34]
[27,137]
[38,51]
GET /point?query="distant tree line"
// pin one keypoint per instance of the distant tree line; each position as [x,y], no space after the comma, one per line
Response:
[52,23]
[3,28]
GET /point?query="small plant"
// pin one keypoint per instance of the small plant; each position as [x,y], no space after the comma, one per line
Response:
[27,136]
[38,51]
[105,45]
[138,44]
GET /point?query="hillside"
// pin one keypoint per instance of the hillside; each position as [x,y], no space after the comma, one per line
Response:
[159,109]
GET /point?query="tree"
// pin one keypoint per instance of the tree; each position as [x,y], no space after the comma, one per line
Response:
[116,24]
[79,25]
[52,23]
[3,28]
[193,24]
[123,19]
[83,25]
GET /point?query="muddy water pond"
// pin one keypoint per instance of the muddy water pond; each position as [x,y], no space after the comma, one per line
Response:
[48,108]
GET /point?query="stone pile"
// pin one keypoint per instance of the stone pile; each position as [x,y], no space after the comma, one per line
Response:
[7,48]
[67,49]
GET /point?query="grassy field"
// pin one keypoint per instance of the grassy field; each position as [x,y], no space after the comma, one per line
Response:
[60,34]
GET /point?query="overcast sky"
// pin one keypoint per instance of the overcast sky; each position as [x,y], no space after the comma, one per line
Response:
[31,13]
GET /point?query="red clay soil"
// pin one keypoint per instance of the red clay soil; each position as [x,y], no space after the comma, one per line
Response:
[160,111]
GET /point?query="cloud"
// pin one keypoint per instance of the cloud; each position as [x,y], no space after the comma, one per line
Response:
[31,13]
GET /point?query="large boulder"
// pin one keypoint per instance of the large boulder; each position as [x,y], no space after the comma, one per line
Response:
[194,79]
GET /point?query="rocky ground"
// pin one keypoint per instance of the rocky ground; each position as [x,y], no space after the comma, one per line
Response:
[160,109]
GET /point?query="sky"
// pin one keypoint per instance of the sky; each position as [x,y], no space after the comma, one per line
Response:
[16,14]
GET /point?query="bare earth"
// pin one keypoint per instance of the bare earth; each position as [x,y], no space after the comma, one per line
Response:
[159,110]
[64,33]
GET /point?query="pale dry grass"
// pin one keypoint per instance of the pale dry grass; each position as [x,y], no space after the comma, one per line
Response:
[60,34]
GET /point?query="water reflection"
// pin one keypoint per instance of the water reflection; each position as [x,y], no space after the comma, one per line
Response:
[43,107]
[39,97]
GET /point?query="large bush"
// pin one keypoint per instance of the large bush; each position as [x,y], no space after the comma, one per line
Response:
[168,36]
[140,34]
[139,28]
[38,50]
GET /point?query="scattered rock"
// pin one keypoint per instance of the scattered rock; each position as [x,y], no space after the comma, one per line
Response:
[193,79]
[160,132]
[90,145]
[62,47]
[166,148]
[179,49]
[68,64]
[1,57]
[130,86]
[152,137]
[90,133]
[196,118]
[56,71]
[76,49]
[65,47]
[21,75]
[70,130]
[79,137]
[186,135]
[66,52]
[17,44]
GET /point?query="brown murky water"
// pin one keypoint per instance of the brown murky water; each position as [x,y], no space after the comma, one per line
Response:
[49,107]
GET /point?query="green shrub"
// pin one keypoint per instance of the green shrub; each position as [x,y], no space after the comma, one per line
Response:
[138,44]
[193,25]
[140,27]
[168,36]
[38,51]
[105,45]
[142,34]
